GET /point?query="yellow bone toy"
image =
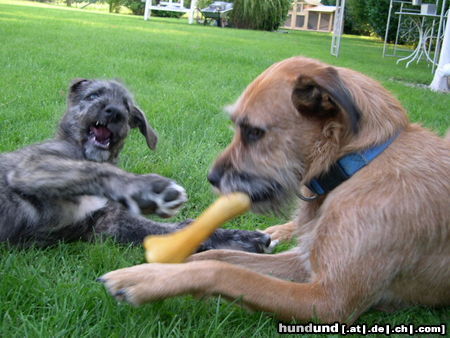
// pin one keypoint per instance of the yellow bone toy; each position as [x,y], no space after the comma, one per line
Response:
[175,247]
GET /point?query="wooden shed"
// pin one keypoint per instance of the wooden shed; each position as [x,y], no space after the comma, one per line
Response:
[310,15]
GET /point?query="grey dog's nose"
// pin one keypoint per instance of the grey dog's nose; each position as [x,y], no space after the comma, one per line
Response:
[112,112]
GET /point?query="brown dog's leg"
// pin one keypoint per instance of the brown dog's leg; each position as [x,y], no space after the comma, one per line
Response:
[287,300]
[286,265]
[281,232]
[149,282]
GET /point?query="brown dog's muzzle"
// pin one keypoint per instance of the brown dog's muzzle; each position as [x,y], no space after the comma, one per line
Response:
[265,193]
[215,176]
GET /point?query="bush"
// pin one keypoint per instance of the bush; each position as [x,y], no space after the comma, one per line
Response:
[369,17]
[135,6]
[259,14]
[167,14]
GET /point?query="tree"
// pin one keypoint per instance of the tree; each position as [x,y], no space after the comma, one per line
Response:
[377,14]
[114,5]
[357,16]
[257,14]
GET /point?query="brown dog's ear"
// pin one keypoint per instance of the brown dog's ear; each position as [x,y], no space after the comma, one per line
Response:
[325,96]
[138,120]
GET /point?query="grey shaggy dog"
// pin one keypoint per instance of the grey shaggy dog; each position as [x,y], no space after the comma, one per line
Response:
[68,188]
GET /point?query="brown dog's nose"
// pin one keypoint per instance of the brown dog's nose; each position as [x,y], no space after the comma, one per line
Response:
[214,177]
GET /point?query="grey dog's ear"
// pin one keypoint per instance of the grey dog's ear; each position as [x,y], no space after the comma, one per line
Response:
[324,95]
[138,120]
[75,87]
[75,83]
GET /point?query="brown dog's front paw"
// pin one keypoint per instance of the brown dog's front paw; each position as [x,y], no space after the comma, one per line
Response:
[121,283]
[149,282]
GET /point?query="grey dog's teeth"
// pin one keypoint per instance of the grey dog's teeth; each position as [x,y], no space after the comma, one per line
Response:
[97,123]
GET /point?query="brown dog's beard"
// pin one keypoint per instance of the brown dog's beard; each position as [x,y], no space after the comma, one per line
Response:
[267,194]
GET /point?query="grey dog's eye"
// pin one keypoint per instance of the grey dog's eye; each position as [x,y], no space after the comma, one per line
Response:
[127,106]
[92,97]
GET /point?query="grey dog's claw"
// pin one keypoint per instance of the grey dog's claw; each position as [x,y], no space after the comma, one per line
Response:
[132,206]
[271,246]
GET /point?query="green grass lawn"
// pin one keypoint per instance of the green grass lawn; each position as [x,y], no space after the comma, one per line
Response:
[182,76]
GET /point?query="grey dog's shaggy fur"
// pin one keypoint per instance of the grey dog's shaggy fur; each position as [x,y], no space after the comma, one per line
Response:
[68,188]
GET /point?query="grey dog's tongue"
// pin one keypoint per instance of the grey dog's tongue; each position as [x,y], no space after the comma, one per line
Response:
[101,133]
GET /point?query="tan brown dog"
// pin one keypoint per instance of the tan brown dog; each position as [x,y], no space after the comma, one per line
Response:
[380,237]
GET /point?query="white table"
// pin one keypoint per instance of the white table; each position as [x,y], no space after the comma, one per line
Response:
[425,24]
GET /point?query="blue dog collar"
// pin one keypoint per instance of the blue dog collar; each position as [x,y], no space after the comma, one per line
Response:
[345,168]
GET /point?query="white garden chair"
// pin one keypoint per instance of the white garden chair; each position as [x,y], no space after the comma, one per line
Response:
[170,5]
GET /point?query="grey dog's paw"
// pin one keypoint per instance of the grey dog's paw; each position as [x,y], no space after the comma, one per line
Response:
[250,241]
[156,194]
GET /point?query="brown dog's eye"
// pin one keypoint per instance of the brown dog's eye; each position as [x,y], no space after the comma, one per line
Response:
[252,134]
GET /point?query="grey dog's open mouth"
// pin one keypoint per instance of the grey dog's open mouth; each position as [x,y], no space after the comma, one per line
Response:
[100,135]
